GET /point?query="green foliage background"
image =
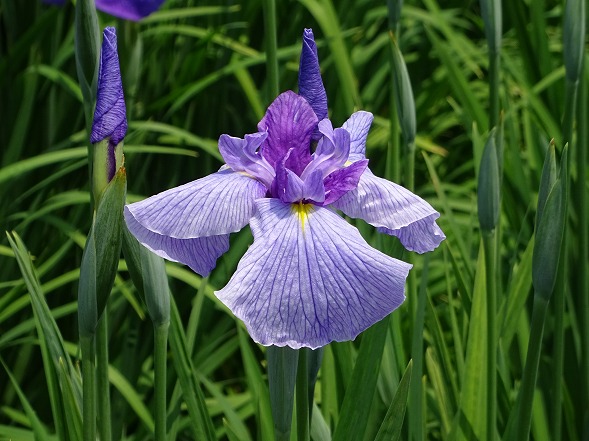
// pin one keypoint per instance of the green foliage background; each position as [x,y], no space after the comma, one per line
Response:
[194,71]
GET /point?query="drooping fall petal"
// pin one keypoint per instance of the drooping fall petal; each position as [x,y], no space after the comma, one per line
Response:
[396,210]
[310,278]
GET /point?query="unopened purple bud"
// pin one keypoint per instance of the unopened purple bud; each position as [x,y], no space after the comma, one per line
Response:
[110,119]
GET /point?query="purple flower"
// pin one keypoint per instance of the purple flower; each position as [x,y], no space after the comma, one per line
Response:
[309,277]
[127,9]
[110,121]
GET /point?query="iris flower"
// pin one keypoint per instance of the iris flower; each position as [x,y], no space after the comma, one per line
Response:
[309,277]
[128,9]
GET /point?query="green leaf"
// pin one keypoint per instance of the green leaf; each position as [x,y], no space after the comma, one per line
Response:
[403,95]
[469,422]
[41,433]
[574,38]
[191,390]
[87,45]
[360,390]
[390,429]
[59,371]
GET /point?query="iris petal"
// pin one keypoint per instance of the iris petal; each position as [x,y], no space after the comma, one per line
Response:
[220,203]
[242,155]
[310,278]
[398,211]
[129,9]
[199,254]
[289,121]
[358,126]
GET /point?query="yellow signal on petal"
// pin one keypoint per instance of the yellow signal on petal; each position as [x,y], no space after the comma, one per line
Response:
[302,210]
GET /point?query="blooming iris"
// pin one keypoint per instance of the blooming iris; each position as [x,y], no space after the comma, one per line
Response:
[309,277]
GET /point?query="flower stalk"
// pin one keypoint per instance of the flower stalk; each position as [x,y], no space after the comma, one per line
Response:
[488,201]
[160,369]
[550,231]
[302,397]
[282,375]
[88,388]
[573,53]
[271,46]
[102,381]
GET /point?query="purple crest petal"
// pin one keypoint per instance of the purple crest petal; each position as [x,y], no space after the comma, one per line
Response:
[289,188]
[332,151]
[110,119]
[310,82]
[387,205]
[310,278]
[220,203]
[129,9]
[358,126]
[199,254]
[289,121]
[242,155]
[343,180]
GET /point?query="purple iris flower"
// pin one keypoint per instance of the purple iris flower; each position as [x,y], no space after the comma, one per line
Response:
[127,9]
[110,120]
[309,277]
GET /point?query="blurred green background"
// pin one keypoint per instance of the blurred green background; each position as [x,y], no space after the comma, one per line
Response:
[195,70]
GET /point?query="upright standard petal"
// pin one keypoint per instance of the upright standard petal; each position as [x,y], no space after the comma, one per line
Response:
[243,155]
[395,210]
[129,9]
[110,119]
[310,83]
[289,121]
[220,203]
[199,254]
[310,278]
[358,126]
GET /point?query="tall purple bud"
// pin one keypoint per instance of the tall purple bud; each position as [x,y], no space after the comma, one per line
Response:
[109,125]
[310,82]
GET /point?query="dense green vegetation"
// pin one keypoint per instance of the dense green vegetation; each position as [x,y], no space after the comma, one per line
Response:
[195,70]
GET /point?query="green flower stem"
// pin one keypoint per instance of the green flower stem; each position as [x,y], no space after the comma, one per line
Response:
[302,397]
[160,359]
[88,388]
[282,375]
[393,164]
[582,202]
[569,111]
[494,66]
[561,284]
[102,383]
[526,394]
[489,245]
[271,47]
[416,387]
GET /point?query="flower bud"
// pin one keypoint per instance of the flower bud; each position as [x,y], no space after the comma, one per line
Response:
[110,122]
